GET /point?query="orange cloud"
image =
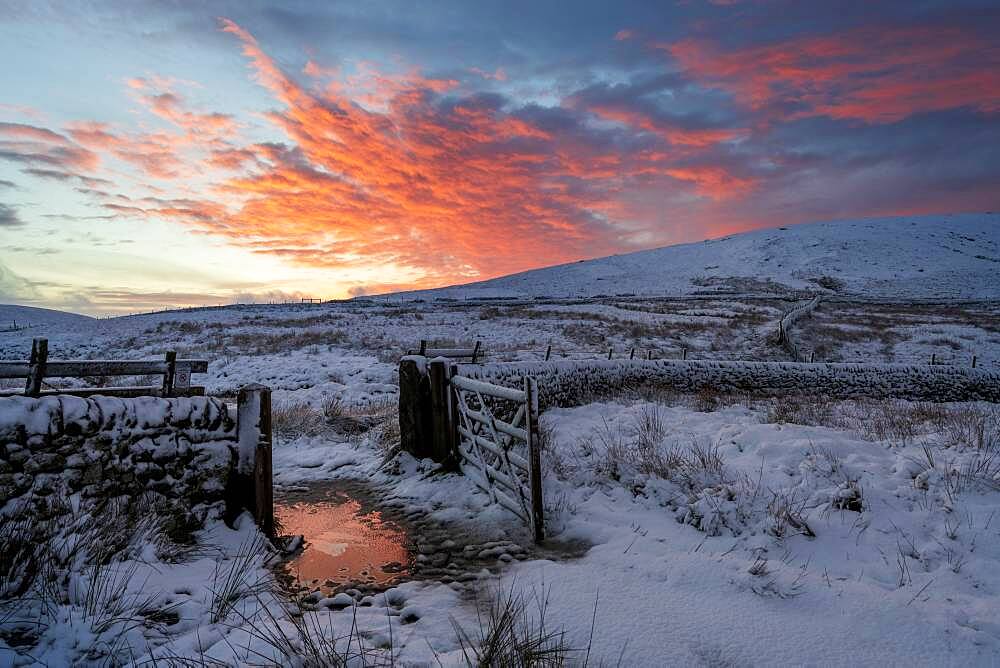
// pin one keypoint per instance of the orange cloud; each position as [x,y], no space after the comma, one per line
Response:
[673,133]
[451,188]
[31,145]
[154,153]
[712,181]
[873,74]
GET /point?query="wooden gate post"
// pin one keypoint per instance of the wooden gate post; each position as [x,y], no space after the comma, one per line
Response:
[36,370]
[441,424]
[414,408]
[254,489]
[534,458]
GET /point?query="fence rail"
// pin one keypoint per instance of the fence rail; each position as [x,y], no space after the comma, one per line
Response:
[453,353]
[176,374]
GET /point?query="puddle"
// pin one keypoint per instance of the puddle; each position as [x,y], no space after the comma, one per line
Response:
[346,540]
[357,540]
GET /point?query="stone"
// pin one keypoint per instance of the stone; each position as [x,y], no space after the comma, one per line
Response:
[93,474]
[45,462]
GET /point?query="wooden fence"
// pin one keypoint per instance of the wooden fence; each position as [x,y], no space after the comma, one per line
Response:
[477,353]
[176,374]
[471,354]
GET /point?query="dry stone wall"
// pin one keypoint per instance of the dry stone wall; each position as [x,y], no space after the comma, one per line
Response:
[183,449]
[568,383]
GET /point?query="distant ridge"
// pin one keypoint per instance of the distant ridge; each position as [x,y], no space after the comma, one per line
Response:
[940,256]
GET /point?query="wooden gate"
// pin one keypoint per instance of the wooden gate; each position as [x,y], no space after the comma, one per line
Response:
[499,446]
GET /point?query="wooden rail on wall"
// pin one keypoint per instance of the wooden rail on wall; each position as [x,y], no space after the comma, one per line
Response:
[176,374]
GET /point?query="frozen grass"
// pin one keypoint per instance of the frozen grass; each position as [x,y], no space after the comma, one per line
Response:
[236,580]
[963,425]
[93,567]
[299,636]
[291,420]
[512,632]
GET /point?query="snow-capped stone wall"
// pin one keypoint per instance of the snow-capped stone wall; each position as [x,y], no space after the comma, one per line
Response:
[182,448]
[569,383]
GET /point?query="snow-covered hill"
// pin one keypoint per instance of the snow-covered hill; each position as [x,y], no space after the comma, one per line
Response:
[30,317]
[941,256]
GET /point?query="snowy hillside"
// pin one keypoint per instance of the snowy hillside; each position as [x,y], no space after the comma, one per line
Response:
[950,256]
[29,316]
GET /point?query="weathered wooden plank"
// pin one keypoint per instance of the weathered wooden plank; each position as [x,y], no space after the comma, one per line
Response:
[14,369]
[504,480]
[490,446]
[510,504]
[502,426]
[80,368]
[534,459]
[126,392]
[500,496]
[499,391]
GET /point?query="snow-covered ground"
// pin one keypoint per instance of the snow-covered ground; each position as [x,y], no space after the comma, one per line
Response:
[954,256]
[683,530]
[683,565]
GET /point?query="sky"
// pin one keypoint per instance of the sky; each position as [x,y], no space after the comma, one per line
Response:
[163,154]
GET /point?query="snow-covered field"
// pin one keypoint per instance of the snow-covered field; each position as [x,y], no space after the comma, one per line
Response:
[684,530]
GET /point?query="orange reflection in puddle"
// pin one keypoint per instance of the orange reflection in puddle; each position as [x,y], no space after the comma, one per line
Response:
[343,543]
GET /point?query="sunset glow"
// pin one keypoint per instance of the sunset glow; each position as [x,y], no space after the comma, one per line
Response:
[198,156]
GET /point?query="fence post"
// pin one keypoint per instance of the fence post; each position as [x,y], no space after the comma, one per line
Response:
[414,408]
[973,361]
[453,420]
[611,351]
[475,352]
[168,376]
[440,413]
[548,352]
[684,353]
[36,371]
[534,458]
[423,347]
[631,354]
[254,489]
[933,358]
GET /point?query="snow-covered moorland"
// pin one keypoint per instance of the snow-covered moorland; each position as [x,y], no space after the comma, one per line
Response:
[684,529]
[940,256]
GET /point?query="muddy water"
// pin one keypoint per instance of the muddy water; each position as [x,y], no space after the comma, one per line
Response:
[347,541]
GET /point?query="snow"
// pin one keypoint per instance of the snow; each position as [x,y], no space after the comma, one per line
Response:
[902,566]
[674,594]
[953,256]
[31,317]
